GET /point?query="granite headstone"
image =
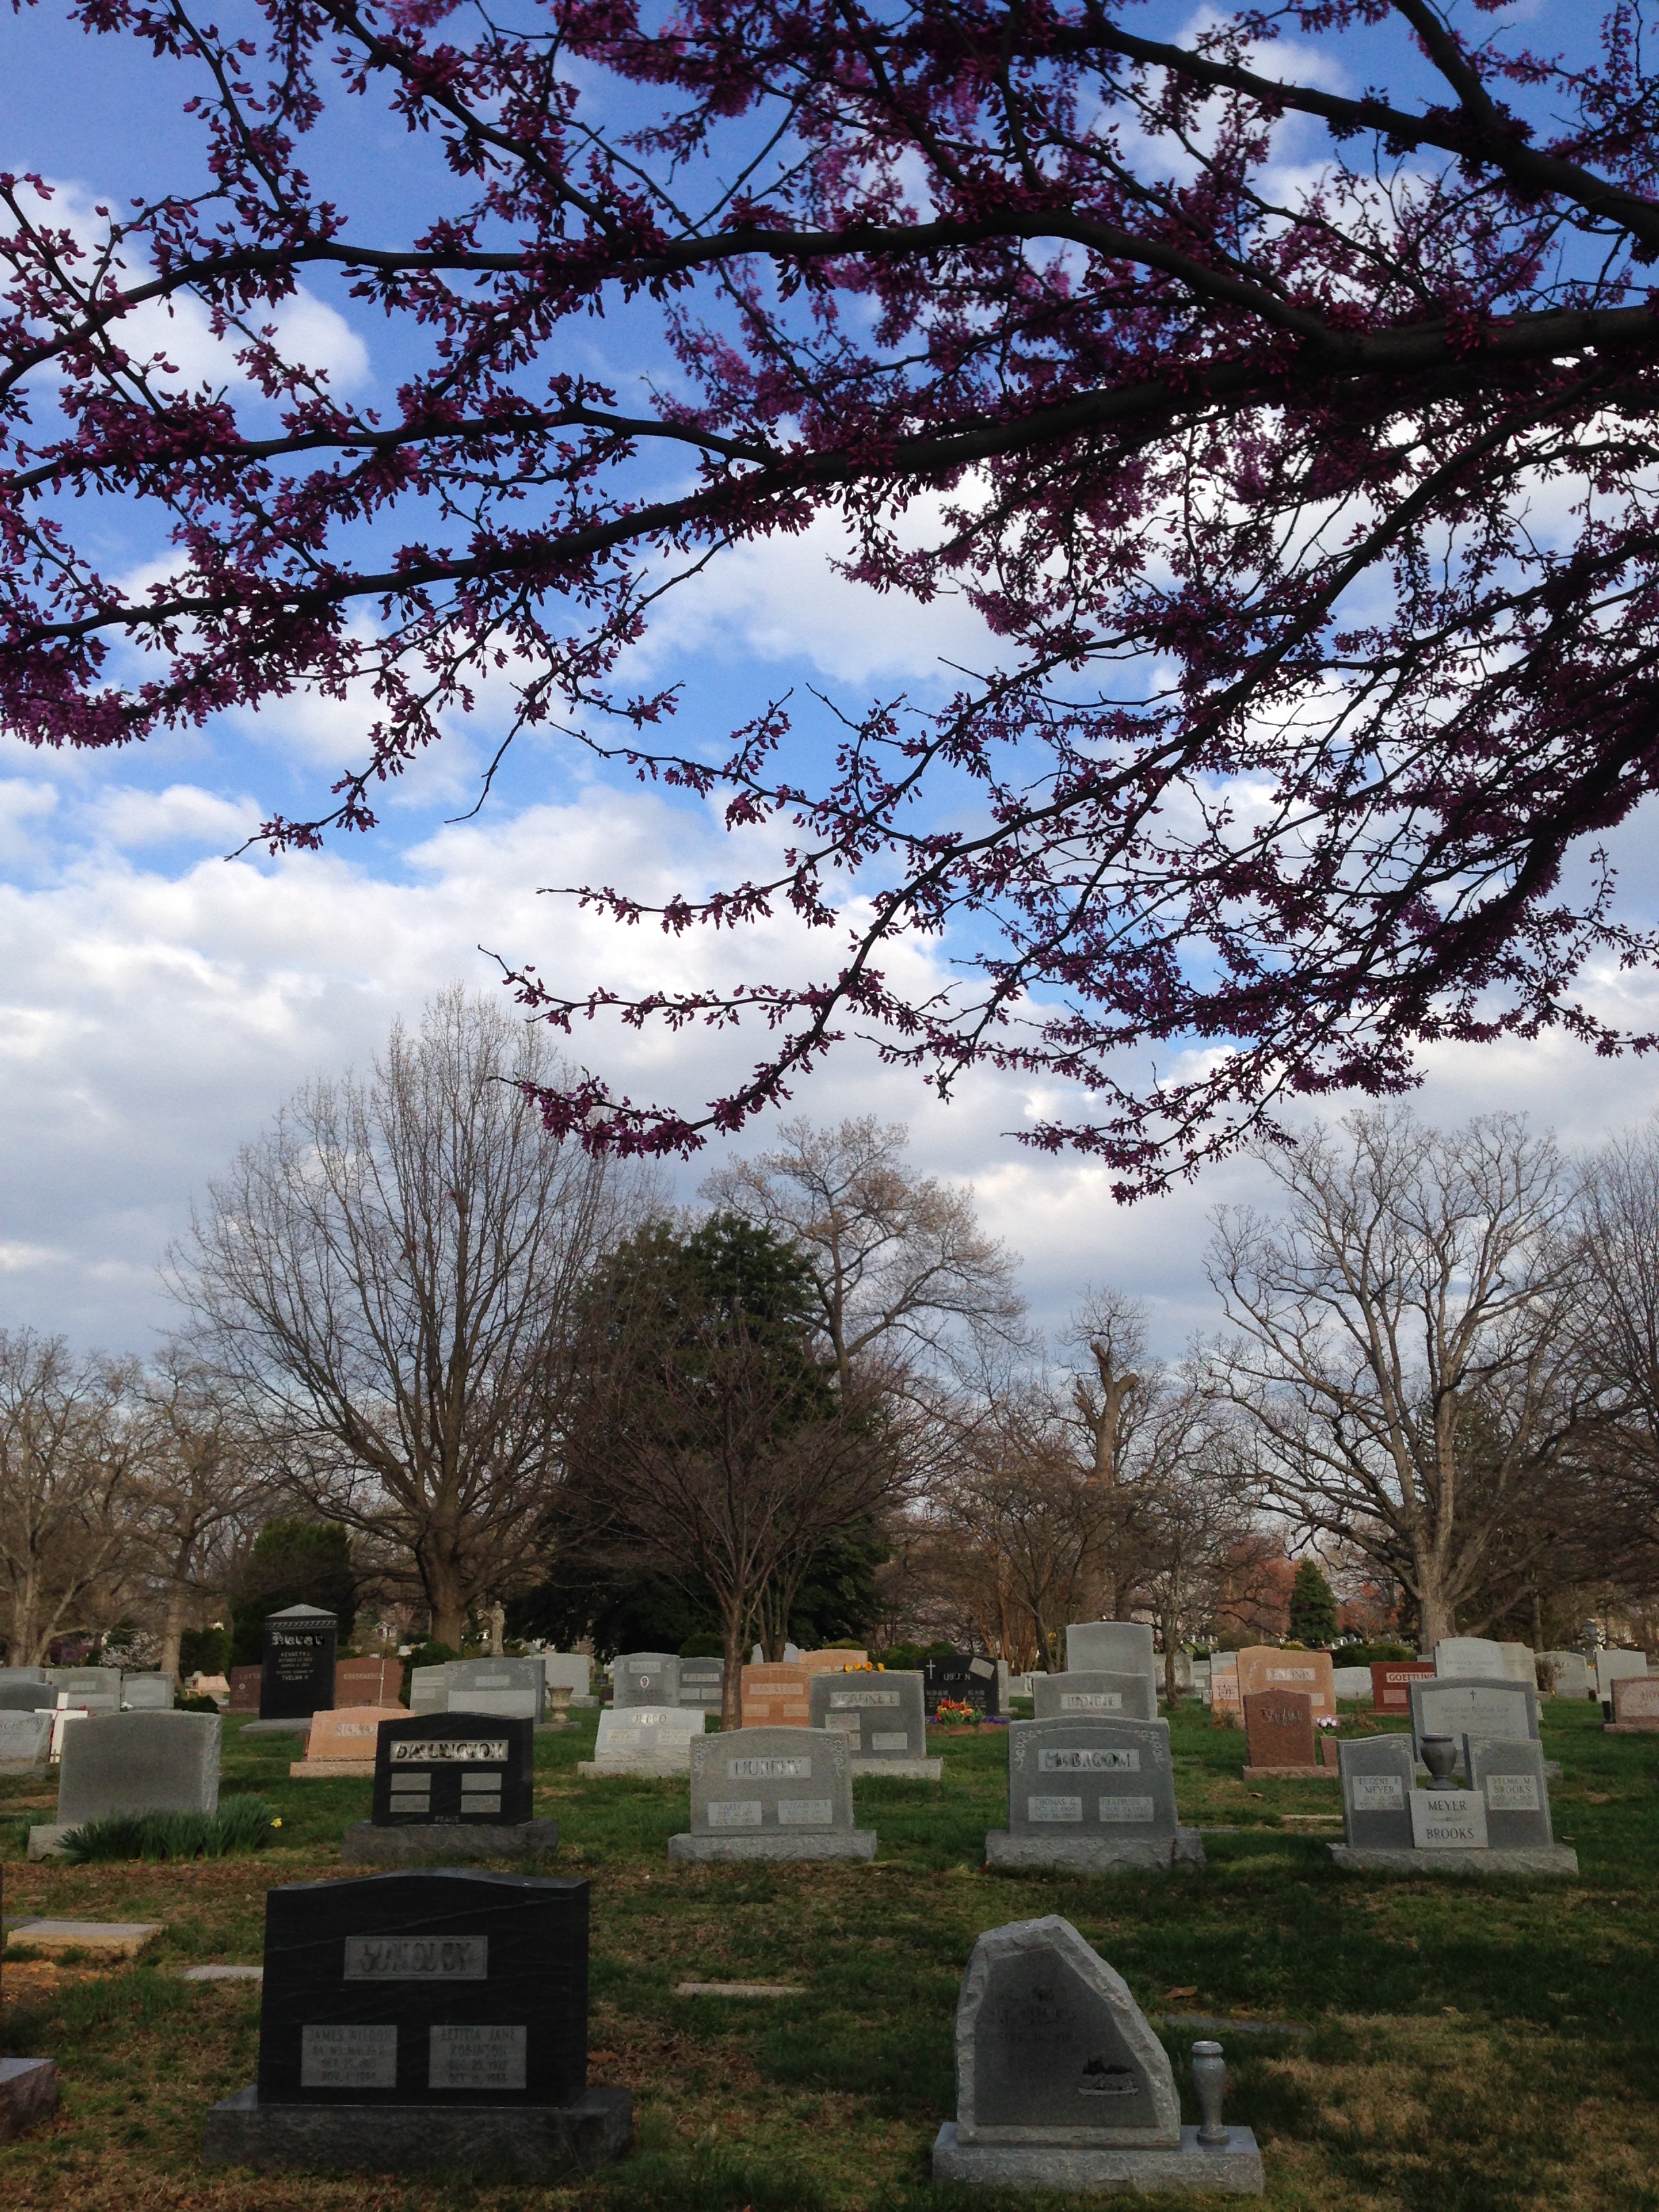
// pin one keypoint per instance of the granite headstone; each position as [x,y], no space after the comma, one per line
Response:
[1061,2083]
[646,1678]
[1510,1778]
[130,1763]
[960,1678]
[1279,1728]
[1635,1705]
[1391,1684]
[368,1681]
[512,1689]
[1500,1710]
[148,1693]
[776,1696]
[298,1676]
[1263,1666]
[1092,1794]
[702,1682]
[1116,1697]
[25,1742]
[772,1793]
[424,2019]
[645,1742]
[1614,1666]
[882,1718]
[1378,1775]
[341,1742]
[245,1688]
[1111,1647]
[449,1785]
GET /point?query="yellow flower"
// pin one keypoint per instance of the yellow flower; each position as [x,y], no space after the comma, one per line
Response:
[276,1824]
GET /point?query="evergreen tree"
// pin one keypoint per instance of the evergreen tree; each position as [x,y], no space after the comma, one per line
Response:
[292,1563]
[1313,1608]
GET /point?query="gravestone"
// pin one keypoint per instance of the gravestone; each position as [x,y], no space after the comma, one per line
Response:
[1117,1697]
[1352,1684]
[1391,1683]
[569,1677]
[702,1682]
[1635,1705]
[1224,1684]
[1510,1779]
[449,1786]
[645,1742]
[245,1688]
[341,1743]
[1111,1647]
[27,1698]
[961,1679]
[370,1681]
[148,1693]
[1612,1666]
[428,1689]
[1500,1710]
[1570,1672]
[1378,1775]
[1062,2085]
[775,1697]
[512,1689]
[882,1718]
[298,1678]
[772,1793]
[25,1742]
[1448,1819]
[1261,1667]
[1092,1794]
[121,1762]
[1470,1658]
[646,1678]
[35,1674]
[94,1689]
[419,2020]
[1279,1728]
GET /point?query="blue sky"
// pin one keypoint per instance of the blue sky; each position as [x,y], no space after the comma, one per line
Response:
[157,1002]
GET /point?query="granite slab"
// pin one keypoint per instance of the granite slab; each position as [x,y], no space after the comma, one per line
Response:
[331,1770]
[536,2142]
[106,1939]
[898,1769]
[1097,1854]
[298,1724]
[1231,2169]
[29,2094]
[822,1844]
[445,1843]
[1556,1859]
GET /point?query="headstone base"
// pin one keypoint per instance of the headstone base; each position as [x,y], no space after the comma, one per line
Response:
[277,1728]
[1608,1728]
[1291,1774]
[25,1766]
[645,1770]
[1095,1854]
[855,1844]
[1229,2169]
[29,2094]
[542,2143]
[331,1770]
[900,1770]
[444,1843]
[1553,1858]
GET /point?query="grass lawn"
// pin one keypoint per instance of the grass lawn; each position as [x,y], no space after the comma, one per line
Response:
[1473,2047]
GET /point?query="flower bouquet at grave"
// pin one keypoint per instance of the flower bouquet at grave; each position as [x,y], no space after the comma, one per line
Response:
[949,1714]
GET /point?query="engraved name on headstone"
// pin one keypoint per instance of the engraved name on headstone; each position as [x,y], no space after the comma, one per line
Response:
[298,1676]
[454,1769]
[881,1715]
[1449,1820]
[776,1696]
[1499,1711]
[1378,1775]
[773,1793]
[1088,1791]
[1391,1683]
[646,1678]
[1510,1779]
[1262,1667]
[644,1741]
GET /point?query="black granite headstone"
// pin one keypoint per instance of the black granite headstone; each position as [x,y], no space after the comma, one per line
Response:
[961,1679]
[297,1678]
[474,1768]
[437,1988]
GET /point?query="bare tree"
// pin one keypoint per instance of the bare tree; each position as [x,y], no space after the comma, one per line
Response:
[70,1485]
[898,1259]
[709,1442]
[1110,1389]
[203,1477]
[391,1275]
[1403,1347]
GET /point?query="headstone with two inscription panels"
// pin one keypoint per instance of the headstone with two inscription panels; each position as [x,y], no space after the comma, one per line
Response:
[450,1785]
[882,1718]
[113,1763]
[417,2021]
[1499,1824]
[1635,1705]
[960,1678]
[776,1696]
[1093,1795]
[341,1743]
[772,1793]
[702,1684]
[1116,1696]
[1062,2085]
[643,1742]
[646,1678]
[511,1689]
[1279,1728]
[298,1676]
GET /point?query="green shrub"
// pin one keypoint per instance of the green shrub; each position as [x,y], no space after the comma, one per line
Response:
[1366,1655]
[191,1701]
[241,1824]
[203,1651]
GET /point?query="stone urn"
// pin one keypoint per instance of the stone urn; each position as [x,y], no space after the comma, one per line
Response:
[1439,1756]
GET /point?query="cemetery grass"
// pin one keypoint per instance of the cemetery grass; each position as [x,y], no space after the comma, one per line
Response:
[1469,2047]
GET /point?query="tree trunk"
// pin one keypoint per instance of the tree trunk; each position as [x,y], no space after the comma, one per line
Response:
[1435,1617]
[172,1630]
[732,1629]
